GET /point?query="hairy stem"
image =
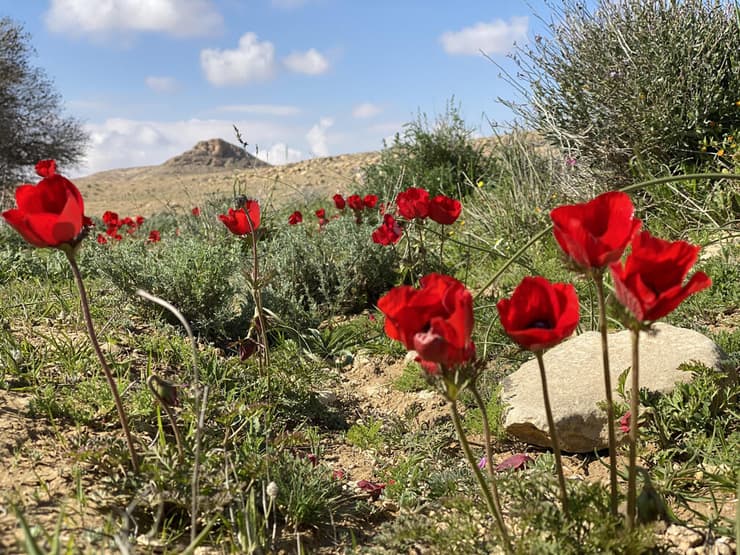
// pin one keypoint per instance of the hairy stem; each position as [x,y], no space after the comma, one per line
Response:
[553,434]
[492,506]
[489,450]
[599,281]
[106,369]
[634,416]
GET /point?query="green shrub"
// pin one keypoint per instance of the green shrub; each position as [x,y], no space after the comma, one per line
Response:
[634,86]
[199,276]
[315,275]
[441,158]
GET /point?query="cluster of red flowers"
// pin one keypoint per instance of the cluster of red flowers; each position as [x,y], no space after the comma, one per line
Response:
[114,224]
[416,204]
[650,283]
[356,203]
[437,320]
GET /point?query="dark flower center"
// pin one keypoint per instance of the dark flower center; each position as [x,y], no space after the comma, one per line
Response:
[541,324]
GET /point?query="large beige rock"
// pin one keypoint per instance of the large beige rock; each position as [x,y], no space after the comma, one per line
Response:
[576,384]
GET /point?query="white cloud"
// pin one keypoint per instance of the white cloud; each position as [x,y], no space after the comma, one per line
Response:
[261,109]
[317,138]
[250,61]
[180,18]
[280,153]
[310,62]
[163,85]
[366,110]
[496,37]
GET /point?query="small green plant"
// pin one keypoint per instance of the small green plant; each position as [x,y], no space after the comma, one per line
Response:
[440,157]
[367,435]
[411,379]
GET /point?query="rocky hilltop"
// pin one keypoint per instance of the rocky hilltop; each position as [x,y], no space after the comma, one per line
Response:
[214,153]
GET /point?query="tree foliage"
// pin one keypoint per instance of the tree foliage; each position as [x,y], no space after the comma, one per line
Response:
[31,120]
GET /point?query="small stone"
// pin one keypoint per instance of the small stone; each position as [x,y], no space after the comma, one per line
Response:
[683,537]
[722,547]
[326,398]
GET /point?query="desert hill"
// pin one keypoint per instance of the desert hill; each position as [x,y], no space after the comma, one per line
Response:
[214,153]
[212,168]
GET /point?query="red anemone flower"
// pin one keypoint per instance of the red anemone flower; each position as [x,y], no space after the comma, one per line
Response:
[388,233]
[244,220]
[110,218]
[436,321]
[339,201]
[444,210]
[154,236]
[370,201]
[651,283]
[594,234]
[49,214]
[413,203]
[355,202]
[195,211]
[539,313]
[46,168]
[295,218]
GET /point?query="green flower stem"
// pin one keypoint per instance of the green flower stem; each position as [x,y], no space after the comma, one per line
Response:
[492,507]
[599,281]
[553,434]
[264,357]
[257,294]
[489,450]
[634,418]
[106,369]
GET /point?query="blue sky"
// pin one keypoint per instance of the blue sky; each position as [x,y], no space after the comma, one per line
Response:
[300,78]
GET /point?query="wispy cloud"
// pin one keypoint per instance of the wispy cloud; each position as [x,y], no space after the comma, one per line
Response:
[496,37]
[180,18]
[164,85]
[311,62]
[366,110]
[261,109]
[251,60]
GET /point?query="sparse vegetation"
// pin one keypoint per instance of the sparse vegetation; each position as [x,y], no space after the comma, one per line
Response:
[318,435]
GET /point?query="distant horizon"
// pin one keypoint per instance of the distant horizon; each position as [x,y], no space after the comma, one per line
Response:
[300,78]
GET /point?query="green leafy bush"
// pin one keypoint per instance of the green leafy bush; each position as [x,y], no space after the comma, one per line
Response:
[199,276]
[439,157]
[632,86]
[315,275]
